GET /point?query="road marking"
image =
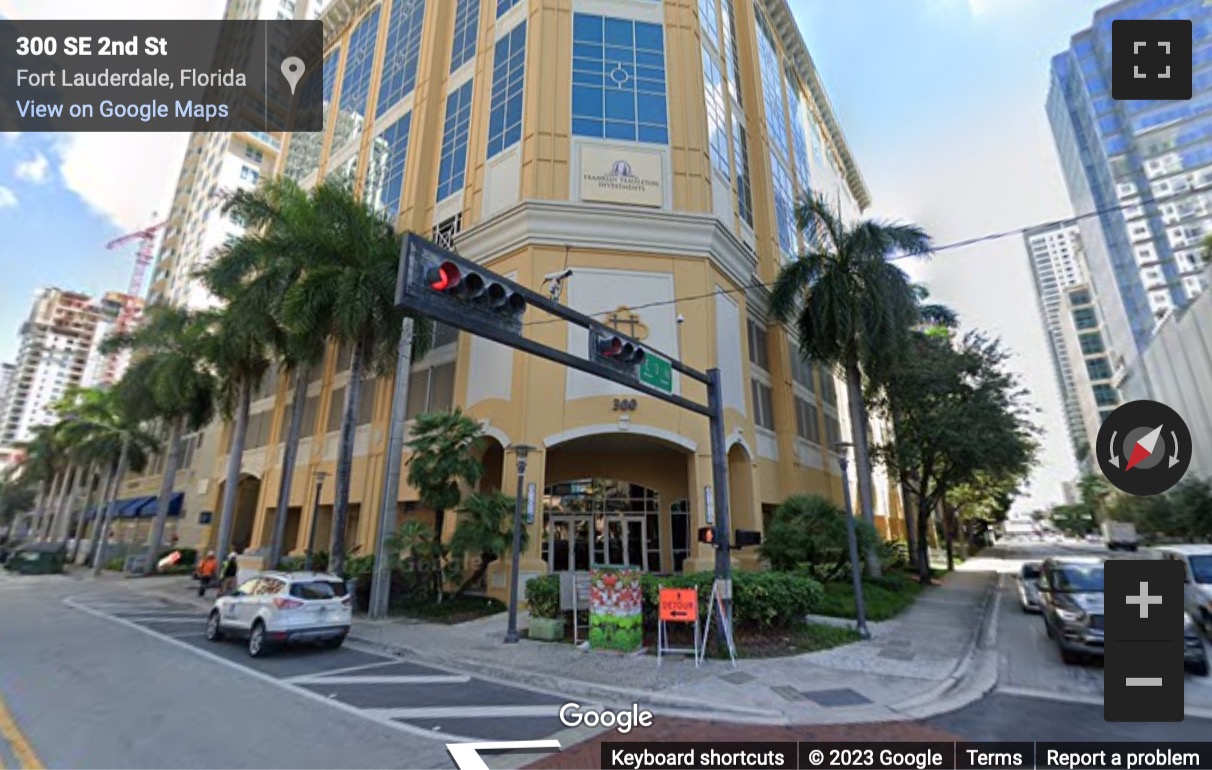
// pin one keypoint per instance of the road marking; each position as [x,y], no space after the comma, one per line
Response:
[418,679]
[367,714]
[17,742]
[468,712]
[467,755]
[199,621]
[347,669]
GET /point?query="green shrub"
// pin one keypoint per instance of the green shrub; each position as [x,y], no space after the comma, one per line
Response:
[808,532]
[116,563]
[291,563]
[894,555]
[359,566]
[760,599]
[543,596]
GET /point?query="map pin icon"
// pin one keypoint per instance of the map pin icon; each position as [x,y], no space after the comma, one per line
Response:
[292,69]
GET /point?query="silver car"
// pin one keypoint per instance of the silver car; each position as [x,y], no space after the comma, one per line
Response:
[276,609]
[1028,586]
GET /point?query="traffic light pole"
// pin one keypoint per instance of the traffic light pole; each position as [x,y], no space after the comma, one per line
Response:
[719,479]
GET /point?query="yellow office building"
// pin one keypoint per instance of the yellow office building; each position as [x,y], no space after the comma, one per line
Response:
[653,148]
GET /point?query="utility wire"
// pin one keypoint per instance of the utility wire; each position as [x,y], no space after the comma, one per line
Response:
[934,250]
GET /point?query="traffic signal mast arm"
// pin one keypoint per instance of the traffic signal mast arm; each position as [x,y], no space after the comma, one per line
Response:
[430,277]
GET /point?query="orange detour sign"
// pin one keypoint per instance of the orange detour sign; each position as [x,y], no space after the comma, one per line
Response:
[679,605]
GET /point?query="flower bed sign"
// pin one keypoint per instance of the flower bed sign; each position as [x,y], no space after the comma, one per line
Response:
[616,610]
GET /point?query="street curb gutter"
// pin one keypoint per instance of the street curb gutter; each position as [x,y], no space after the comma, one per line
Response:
[935,700]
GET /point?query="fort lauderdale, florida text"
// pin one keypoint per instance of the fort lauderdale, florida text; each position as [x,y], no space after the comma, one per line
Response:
[190,78]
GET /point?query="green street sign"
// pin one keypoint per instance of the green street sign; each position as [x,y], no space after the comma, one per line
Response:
[657,372]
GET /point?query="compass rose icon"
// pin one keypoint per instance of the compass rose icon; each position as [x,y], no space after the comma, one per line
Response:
[1144,448]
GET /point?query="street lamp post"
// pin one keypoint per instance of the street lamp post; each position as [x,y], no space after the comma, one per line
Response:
[860,609]
[520,452]
[315,520]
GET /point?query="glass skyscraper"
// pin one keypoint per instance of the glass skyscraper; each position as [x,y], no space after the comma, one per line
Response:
[1145,167]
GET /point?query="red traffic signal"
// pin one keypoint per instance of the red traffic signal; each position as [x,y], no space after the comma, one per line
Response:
[444,277]
[707,535]
[617,349]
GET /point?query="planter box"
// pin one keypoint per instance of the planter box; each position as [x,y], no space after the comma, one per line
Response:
[547,629]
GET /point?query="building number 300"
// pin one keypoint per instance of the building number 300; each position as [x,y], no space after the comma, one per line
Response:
[624,405]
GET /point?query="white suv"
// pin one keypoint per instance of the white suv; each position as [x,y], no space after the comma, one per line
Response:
[1197,593]
[280,608]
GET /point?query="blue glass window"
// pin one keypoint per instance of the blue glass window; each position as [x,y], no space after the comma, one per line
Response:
[1105,395]
[466,28]
[1084,318]
[503,6]
[744,186]
[330,76]
[399,75]
[355,84]
[783,210]
[709,19]
[772,89]
[1098,369]
[799,122]
[731,54]
[385,169]
[453,164]
[618,79]
[508,80]
[717,118]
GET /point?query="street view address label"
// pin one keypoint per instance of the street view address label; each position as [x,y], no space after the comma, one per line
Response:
[220,76]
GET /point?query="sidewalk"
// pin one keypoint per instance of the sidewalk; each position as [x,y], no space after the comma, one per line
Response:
[936,656]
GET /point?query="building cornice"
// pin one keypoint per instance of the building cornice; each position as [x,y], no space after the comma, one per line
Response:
[608,227]
[797,52]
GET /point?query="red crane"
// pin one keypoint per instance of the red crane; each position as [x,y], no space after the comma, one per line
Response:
[143,257]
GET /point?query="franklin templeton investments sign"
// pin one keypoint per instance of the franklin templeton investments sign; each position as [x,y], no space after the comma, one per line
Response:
[630,177]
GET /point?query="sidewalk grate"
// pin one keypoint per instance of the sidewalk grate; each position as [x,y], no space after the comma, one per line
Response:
[737,677]
[787,692]
[839,697]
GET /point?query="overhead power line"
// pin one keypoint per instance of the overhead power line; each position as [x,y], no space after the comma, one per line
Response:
[934,250]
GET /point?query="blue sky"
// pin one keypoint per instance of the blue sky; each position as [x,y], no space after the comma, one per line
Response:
[941,102]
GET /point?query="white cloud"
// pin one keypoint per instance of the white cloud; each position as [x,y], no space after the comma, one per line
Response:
[124,177]
[10,136]
[33,170]
[8,199]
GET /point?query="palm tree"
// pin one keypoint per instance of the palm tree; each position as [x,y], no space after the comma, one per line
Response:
[444,448]
[264,262]
[345,291]
[171,381]
[42,465]
[851,308]
[485,529]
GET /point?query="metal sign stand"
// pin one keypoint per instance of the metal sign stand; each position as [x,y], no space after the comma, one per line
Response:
[717,600]
[574,592]
[663,638]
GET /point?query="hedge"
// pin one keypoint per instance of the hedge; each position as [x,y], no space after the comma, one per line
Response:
[760,599]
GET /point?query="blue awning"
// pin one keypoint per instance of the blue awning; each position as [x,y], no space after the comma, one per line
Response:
[148,509]
[129,508]
[90,514]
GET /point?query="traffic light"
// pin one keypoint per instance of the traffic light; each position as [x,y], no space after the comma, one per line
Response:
[616,351]
[450,288]
[707,535]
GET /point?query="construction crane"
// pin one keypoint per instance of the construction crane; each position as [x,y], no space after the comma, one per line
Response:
[143,257]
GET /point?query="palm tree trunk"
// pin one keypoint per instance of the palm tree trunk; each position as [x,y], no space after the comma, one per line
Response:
[101,535]
[235,459]
[862,458]
[349,426]
[41,527]
[45,492]
[171,463]
[63,524]
[105,488]
[65,495]
[78,532]
[289,454]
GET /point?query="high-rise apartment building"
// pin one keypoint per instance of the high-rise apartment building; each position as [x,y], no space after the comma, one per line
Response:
[116,312]
[1084,334]
[1054,252]
[1145,167]
[214,164]
[653,148]
[57,344]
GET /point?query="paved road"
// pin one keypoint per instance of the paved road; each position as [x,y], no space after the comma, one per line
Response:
[1029,663]
[102,677]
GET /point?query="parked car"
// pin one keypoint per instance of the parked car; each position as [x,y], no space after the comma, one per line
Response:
[274,609]
[1071,601]
[1197,593]
[1028,586]
[1071,597]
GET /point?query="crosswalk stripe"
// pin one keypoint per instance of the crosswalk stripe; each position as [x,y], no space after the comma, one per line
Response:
[315,679]
[466,712]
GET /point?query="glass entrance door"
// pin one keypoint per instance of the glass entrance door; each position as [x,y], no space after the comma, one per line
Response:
[621,541]
[570,544]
